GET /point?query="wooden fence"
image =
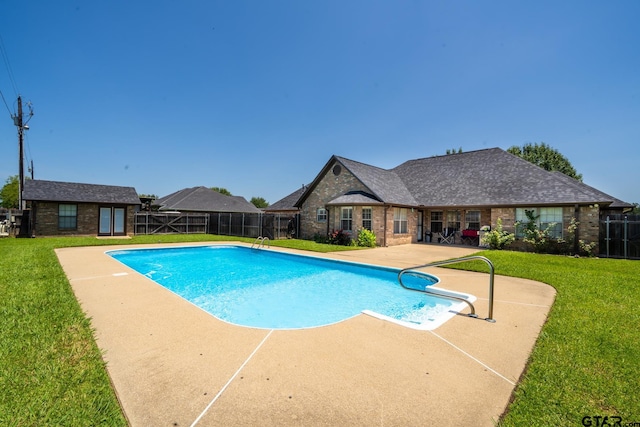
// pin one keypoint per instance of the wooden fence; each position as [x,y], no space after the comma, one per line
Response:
[170,223]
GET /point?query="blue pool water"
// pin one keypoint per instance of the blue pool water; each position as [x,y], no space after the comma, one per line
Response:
[267,289]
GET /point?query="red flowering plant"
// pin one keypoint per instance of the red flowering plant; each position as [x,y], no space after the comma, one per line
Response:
[339,237]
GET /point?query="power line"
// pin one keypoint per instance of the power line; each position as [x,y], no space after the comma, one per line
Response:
[7,65]
[5,103]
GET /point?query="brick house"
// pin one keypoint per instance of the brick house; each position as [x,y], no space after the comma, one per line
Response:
[68,208]
[427,198]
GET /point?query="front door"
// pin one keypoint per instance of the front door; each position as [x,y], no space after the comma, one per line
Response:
[112,221]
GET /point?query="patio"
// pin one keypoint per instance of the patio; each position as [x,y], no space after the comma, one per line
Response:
[173,364]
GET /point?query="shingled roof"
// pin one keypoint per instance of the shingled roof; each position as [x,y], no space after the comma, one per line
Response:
[490,177]
[385,185]
[203,199]
[617,203]
[55,191]
[287,203]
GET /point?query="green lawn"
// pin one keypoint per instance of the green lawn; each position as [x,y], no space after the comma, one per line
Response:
[586,361]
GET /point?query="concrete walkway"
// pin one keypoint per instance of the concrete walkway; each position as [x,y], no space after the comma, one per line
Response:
[172,364]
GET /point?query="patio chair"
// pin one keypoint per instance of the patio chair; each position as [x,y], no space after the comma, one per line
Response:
[470,237]
[4,228]
[448,236]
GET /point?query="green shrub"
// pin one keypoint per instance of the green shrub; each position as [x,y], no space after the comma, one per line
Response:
[339,237]
[366,238]
[541,240]
[584,248]
[498,238]
[320,238]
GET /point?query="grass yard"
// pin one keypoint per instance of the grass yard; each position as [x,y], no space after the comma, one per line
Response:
[586,362]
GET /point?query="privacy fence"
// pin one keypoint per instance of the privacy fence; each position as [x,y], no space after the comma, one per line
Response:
[273,226]
[620,236]
[170,223]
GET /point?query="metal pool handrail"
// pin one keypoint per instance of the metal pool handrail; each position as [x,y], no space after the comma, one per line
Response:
[260,242]
[434,292]
[454,261]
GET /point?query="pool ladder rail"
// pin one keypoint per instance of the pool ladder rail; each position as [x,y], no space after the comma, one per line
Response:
[259,242]
[413,271]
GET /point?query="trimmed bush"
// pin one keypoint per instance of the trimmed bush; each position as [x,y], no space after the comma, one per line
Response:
[366,238]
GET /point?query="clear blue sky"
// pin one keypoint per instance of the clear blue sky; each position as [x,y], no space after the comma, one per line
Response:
[255,96]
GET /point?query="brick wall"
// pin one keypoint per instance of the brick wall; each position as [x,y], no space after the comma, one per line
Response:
[410,236]
[46,220]
[377,221]
[329,187]
[589,227]
[508,217]
[588,218]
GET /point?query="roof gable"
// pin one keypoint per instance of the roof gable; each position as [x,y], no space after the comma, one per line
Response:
[382,185]
[56,191]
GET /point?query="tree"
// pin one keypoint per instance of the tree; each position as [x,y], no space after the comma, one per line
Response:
[222,191]
[259,202]
[9,193]
[546,157]
[453,151]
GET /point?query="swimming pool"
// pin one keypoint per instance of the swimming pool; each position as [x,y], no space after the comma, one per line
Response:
[267,289]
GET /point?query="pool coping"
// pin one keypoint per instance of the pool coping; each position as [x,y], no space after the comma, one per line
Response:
[173,364]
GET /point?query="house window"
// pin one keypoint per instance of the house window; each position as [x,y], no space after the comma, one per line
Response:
[321,215]
[436,221]
[472,220]
[366,218]
[400,224]
[522,220]
[346,218]
[67,217]
[551,218]
[453,220]
[545,218]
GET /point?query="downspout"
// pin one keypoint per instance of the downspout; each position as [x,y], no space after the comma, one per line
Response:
[384,234]
[31,227]
[328,218]
[576,234]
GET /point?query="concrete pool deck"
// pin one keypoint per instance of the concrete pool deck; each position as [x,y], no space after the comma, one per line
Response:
[172,364]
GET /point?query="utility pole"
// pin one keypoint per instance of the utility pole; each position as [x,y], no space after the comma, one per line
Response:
[22,126]
[18,122]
